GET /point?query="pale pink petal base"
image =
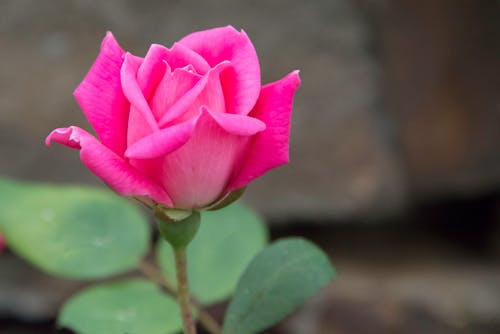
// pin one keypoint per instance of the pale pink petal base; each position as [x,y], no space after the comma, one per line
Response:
[269,149]
[107,165]
[197,173]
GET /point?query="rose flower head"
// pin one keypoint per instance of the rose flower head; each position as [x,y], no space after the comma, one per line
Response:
[186,125]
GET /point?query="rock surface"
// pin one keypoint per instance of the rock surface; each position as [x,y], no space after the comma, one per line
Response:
[443,75]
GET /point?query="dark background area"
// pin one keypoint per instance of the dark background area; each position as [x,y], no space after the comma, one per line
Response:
[395,146]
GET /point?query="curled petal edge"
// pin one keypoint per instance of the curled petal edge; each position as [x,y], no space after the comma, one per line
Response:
[270,148]
[108,166]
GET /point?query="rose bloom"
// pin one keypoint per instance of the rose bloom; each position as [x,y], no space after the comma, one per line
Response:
[183,126]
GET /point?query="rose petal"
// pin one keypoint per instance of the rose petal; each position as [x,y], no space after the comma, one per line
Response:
[161,142]
[270,147]
[101,97]
[107,165]
[171,88]
[180,56]
[206,91]
[242,83]
[132,90]
[151,71]
[197,173]
[138,127]
[240,125]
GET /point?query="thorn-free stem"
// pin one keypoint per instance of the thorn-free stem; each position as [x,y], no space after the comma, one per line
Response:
[204,317]
[183,290]
[178,228]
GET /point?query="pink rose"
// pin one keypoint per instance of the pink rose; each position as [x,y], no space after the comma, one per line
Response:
[184,125]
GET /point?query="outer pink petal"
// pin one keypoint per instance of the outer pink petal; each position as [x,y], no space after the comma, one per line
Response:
[242,83]
[197,173]
[270,147]
[107,165]
[132,90]
[101,98]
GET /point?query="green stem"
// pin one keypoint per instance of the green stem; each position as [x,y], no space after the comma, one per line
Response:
[206,320]
[183,290]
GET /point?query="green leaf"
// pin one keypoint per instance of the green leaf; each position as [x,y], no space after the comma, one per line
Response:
[134,306]
[226,242]
[10,191]
[72,231]
[277,281]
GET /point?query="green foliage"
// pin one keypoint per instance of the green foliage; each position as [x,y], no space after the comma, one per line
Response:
[86,233]
[72,231]
[224,245]
[278,280]
[134,306]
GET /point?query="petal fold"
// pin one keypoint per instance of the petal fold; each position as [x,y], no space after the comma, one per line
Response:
[101,97]
[152,68]
[171,88]
[132,90]
[112,169]
[161,142]
[204,92]
[180,56]
[240,125]
[270,148]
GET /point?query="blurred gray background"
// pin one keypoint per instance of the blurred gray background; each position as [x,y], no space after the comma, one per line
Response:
[395,144]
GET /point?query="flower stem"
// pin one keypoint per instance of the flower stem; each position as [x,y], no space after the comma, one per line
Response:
[183,290]
[205,318]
